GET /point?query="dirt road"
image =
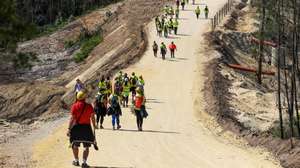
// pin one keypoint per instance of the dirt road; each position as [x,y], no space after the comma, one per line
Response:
[174,136]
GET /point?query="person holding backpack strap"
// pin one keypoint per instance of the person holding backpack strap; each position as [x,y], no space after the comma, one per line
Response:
[80,130]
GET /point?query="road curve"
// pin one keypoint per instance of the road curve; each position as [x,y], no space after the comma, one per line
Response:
[173,136]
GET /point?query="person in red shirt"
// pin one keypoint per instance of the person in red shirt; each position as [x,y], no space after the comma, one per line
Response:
[172,48]
[80,130]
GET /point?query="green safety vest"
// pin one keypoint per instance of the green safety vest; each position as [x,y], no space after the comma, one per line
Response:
[166,9]
[142,82]
[102,87]
[170,24]
[206,10]
[175,24]
[171,11]
[126,90]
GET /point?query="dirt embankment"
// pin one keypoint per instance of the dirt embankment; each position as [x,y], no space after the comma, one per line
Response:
[240,104]
[124,42]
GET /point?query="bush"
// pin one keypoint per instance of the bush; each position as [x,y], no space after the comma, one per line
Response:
[87,45]
[275,130]
[69,44]
[24,60]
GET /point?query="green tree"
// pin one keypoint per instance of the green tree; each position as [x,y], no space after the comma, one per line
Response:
[12,28]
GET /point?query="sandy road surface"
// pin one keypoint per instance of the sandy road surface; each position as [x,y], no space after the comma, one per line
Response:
[173,137]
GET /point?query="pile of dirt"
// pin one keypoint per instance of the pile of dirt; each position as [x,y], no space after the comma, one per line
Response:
[240,104]
[25,102]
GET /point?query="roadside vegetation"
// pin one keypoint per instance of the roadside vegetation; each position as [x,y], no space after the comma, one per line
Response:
[87,44]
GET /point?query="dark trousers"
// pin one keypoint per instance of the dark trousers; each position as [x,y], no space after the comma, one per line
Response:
[155,53]
[172,53]
[99,118]
[163,56]
[160,33]
[166,33]
[139,118]
[125,101]
[197,16]
[175,30]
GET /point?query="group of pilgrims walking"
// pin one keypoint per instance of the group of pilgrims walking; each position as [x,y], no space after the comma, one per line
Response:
[167,23]
[111,97]
[109,100]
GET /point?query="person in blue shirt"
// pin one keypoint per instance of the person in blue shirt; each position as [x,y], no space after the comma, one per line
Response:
[79,86]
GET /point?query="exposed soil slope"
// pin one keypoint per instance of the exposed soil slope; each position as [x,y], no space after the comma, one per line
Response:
[56,69]
[239,103]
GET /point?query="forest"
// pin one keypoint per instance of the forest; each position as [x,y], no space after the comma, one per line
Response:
[24,19]
[279,24]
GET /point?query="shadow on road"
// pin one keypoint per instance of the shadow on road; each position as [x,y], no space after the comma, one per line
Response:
[183,19]
[199,4]
[182,58]
[151,131]
[154,101]
[172,60]
[183,35]
[108,167]
[172,37]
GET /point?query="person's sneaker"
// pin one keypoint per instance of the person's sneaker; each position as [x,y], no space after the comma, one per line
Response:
[114,128]
[119,126]
[101,127]
[75,163]
[85,165]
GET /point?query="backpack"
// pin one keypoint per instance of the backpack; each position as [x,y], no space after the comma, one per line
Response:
[115,107]
[114,102]
[133,81]
[100,100]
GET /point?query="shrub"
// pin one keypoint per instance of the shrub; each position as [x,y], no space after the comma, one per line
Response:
[24,60]
[87,45]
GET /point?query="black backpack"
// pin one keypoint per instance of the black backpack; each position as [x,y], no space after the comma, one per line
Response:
[133,81]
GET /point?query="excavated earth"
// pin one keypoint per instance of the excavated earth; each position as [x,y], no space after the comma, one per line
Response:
[240,104]
[45,88]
